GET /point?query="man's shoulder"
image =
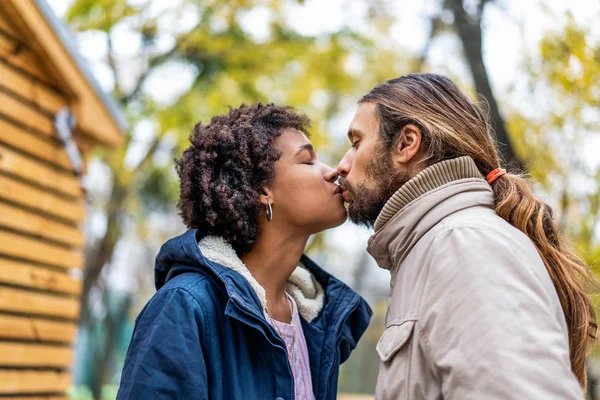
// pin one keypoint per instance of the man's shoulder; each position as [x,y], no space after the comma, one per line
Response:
[483,218]
[469,232]
[479,236]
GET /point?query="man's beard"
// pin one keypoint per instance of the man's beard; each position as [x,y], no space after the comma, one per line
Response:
[369,200]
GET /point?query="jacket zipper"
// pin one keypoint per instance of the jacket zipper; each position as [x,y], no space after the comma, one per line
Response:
[336,350]
[284,347]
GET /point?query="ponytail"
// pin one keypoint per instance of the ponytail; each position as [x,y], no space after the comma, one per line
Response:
[516,203]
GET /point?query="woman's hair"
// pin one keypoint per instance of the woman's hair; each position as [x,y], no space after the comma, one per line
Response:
[452,126]
[224,170]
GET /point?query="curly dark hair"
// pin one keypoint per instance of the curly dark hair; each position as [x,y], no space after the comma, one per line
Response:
[227,164]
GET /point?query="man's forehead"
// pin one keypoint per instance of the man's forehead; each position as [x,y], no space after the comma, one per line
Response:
[364,120]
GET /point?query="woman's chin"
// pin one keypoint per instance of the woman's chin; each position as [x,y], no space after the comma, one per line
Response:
[342,216]
[330,217]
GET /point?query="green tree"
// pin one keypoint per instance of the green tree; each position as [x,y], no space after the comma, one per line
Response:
[556,138]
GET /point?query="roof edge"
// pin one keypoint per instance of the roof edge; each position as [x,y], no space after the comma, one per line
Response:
[65,36]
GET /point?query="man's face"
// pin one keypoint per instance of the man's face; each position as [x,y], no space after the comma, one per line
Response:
[368,174]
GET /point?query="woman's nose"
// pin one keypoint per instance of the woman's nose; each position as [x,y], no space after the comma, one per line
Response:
[331,174]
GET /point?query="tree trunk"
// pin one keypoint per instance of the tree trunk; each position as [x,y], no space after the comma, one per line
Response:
[101,252]
[468,29]
[109,329]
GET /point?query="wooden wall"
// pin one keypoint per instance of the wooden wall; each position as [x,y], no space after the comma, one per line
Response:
[41,242]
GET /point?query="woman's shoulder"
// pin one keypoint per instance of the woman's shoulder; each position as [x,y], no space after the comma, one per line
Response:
[193,282]
[190,293]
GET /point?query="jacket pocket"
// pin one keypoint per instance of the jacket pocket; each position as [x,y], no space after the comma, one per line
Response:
[395,335]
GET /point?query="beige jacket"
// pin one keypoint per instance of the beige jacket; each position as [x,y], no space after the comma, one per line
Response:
[472,312]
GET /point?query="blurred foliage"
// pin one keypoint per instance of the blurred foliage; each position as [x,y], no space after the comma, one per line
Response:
[564,80]
[359,373]
[229,66]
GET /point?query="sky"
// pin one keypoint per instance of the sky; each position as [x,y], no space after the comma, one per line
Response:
[512,28]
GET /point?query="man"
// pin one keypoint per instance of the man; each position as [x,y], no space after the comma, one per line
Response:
[486,302]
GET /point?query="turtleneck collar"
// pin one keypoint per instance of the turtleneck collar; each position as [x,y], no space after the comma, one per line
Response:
[436,192]
[425,181]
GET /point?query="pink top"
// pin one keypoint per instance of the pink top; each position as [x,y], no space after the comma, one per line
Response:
[301,369]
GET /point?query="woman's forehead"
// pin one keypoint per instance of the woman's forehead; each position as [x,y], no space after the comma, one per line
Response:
[291,140]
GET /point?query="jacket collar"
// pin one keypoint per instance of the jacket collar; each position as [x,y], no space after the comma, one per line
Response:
[183,254]
[302,285]
[435,193]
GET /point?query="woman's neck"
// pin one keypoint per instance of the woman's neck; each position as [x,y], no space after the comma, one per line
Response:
[271,262]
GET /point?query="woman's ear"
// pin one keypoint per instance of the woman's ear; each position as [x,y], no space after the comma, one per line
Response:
[408,144]
[266,196]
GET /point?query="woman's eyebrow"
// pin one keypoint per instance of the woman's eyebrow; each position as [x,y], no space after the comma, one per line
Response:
[307,146]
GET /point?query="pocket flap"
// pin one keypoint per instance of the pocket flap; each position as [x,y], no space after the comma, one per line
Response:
[393,338]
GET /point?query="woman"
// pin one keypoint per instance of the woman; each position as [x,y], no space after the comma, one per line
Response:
[240,312]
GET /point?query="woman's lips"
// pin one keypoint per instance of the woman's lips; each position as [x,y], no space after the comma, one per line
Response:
[338,193]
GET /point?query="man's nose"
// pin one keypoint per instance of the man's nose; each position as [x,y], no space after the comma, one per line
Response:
[343,168]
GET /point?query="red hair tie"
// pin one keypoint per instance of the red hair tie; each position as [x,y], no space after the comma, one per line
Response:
[495,174]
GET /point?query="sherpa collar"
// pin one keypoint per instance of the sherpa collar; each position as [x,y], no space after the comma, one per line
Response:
[302,285]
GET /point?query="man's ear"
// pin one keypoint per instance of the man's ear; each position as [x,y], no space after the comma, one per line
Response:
[408,145]
[266,196]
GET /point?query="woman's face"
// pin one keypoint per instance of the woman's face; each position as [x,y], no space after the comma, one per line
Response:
[304,194]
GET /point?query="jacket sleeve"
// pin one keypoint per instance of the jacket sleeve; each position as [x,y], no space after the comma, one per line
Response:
[489,321]
[165,358]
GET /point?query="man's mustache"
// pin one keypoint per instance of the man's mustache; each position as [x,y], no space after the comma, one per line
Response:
[343,182]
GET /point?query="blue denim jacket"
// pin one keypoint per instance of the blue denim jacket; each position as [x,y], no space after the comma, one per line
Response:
[203,334]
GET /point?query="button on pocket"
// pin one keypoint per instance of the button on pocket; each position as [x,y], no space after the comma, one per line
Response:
[394,337]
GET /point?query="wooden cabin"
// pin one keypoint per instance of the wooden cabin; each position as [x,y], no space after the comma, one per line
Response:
[52,114]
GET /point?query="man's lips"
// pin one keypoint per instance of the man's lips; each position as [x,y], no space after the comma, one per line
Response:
[346,195]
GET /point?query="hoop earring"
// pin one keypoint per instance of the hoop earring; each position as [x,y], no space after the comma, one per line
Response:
[269,211]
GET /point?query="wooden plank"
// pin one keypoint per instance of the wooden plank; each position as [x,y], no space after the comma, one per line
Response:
[26,115]
[18,273]
[45,149]
[36,224]
[36,398]
[39,199]
[34,355]
[28,328]
[24,58]
[16,245]
[24,301]
[28,168]
[31,89]
[23,381]
[7,26]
